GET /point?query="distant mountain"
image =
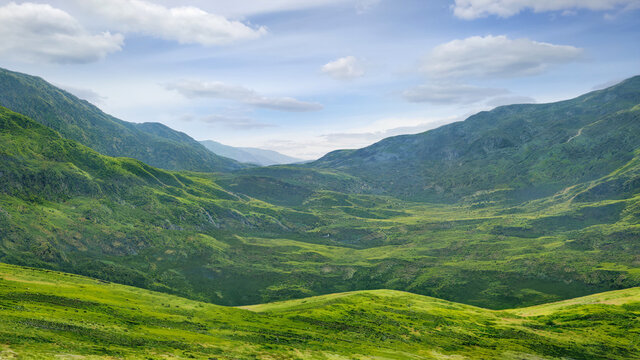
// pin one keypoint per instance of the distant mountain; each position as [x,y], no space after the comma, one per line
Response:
[516,152]
[249,155]
[78,120]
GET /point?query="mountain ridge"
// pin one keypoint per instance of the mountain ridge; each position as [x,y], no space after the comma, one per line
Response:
[494,149]
[79,120]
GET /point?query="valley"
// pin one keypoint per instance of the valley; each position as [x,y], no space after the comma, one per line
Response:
[319,180]
[374,252]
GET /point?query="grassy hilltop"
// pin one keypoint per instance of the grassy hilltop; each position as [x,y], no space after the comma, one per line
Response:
[45,314]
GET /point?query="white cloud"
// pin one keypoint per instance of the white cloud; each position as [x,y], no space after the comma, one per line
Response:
[244,8]
[383,128]
[315,145]
[607,84]
[83,93]
[234,122]
[41,33]
[450,94]
[480,58]
[219,90]
[510,100]
[472,9]
[495,56]
[362,6]
[345,68]
[361,139]
[185,24]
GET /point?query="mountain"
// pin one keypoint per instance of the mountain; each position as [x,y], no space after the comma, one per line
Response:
[249,155]
[115,217]
[46,314]
[78,120]
[245,238]
[515,152]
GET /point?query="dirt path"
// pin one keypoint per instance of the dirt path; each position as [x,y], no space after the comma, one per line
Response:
[576,135]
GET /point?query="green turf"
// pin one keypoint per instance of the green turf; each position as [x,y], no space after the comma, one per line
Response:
[46,315]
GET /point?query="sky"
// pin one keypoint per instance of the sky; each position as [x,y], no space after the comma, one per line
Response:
[305,77]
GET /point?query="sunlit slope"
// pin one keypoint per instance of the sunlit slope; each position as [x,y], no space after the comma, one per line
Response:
[45,314]
[616,297]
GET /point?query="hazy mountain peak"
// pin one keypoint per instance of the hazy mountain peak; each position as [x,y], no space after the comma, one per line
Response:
[250,155]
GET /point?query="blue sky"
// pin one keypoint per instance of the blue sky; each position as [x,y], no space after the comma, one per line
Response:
[308,77]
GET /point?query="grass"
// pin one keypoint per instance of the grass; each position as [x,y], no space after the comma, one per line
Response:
[47,314]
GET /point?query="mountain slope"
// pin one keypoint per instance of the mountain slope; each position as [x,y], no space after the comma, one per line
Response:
[78,120]
[45,314]
[523,151]
[249,155]
[63,206]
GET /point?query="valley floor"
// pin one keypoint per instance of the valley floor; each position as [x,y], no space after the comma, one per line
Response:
[46,314]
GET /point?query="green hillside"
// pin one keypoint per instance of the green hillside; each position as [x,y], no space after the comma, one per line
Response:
[78,120]
[64,206]
[518,152]
[45,314]
[246,239]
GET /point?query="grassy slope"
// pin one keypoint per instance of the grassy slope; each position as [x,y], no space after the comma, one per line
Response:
[527,151]
[45,314]
[65,207]
[78,120]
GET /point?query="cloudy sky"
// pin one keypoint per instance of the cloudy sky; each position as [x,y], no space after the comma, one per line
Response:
[305,77]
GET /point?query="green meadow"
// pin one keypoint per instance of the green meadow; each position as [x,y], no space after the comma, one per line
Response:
[46,314]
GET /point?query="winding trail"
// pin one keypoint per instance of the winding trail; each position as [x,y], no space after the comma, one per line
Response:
[576,135]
